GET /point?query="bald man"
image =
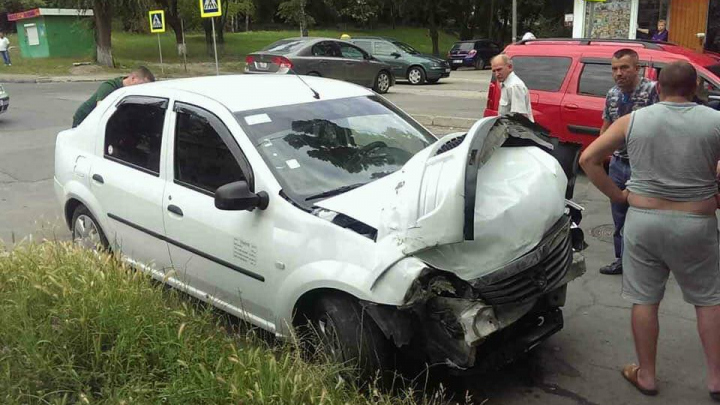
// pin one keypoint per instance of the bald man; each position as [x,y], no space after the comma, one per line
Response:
[514,95]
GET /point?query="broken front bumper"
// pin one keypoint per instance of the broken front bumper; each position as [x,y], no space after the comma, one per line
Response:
[485,323]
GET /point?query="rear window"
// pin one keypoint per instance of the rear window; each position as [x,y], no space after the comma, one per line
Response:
[596,79]
[541,73]
[285,46]
[463,46]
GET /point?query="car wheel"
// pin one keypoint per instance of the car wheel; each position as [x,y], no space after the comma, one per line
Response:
[416,75]
[382,82]
[479,64]
[433,81]
[344,333]
[86,232]
[316,74]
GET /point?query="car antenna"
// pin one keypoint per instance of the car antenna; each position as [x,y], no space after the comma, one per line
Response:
[316,95]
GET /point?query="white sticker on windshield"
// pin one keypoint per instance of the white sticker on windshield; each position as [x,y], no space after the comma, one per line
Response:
[292,163]
[257,119]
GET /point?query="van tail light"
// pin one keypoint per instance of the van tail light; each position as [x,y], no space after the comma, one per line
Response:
[491,95]
[448,55]
[472,52]
[282,62]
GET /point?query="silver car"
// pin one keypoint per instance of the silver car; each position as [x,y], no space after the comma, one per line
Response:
[326,57]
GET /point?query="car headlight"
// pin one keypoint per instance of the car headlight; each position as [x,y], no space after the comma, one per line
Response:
[436,66]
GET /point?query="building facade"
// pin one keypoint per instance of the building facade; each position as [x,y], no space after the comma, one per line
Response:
[693,24]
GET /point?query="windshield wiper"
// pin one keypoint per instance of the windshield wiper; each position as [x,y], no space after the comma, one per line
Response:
[335,191]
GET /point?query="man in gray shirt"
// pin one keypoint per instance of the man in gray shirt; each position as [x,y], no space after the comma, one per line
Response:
[674,149]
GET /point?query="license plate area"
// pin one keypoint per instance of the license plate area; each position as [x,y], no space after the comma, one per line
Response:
[457,61]
[261,65]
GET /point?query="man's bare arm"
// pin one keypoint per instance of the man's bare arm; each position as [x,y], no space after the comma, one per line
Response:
[606,124]
[594,156]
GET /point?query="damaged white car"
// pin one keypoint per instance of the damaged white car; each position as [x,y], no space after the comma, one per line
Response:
[289,202]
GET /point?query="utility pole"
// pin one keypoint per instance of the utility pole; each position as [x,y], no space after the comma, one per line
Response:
[514,21]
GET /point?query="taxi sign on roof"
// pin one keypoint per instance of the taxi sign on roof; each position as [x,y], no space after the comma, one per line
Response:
[210,8]
[157,21]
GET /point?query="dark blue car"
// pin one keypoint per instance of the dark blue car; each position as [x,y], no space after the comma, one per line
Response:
[474,53]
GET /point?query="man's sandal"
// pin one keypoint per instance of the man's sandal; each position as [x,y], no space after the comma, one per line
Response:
[630,373]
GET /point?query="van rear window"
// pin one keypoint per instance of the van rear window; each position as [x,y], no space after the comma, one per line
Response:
[541,72]
[463,46]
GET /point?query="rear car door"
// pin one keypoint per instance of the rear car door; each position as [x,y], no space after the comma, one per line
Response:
[390,54]
[326,60]
[547,79]
[127,180]
[358,68]
[222,255]
[584,101]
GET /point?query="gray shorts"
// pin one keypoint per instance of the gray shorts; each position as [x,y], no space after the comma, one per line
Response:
[658,242]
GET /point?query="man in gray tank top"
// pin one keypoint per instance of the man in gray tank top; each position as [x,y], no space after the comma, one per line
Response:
[674,149]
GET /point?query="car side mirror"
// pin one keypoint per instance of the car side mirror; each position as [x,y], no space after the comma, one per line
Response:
[237,196]
[395,54]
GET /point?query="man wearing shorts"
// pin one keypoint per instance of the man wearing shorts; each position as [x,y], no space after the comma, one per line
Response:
[674,149]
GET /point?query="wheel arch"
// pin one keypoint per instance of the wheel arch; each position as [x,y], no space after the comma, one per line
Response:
[417,65]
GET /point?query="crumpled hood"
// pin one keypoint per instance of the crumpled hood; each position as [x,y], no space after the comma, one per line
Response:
[464,204]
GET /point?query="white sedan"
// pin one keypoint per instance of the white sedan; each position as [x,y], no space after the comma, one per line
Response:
[295,202]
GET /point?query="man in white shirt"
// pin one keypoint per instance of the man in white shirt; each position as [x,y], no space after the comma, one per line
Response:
[515,97]
[4,49]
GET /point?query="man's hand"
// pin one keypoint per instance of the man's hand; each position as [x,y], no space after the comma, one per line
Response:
[621,198]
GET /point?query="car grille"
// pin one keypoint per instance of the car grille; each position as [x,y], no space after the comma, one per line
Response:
[451,144]
[538,279]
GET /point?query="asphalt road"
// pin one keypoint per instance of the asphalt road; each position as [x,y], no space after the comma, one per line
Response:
[579,365]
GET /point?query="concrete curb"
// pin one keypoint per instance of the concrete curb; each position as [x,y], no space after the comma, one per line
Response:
[46,79]
[449,122]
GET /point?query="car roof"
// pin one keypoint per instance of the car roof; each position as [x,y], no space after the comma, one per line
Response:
[250,92]
[474,40]
[658,51]
[375,37]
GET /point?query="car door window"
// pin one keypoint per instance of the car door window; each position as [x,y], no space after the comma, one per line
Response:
[365,45]
[203,160]
[133,135]
[542,73]
[350,52]
[384,48]
[325,49]
[595,80]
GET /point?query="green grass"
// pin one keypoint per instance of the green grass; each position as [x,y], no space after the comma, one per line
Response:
[131,50]
[81,328]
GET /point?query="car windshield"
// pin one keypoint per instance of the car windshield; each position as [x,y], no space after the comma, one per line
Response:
[285,46]
[324,148]
[463,46]
[405,47]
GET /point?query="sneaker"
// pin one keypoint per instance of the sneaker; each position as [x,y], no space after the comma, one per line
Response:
[613,268]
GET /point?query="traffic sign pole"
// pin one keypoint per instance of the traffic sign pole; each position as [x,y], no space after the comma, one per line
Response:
[162,67]
[217,67]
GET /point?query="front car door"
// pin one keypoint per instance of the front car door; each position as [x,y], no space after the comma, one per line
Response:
[584,102]
[218,254]
[127,179]
[390,54]
[358,68]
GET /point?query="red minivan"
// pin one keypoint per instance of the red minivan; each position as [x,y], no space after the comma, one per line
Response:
[569,78]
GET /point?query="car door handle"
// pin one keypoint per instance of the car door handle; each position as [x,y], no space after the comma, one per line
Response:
[175,210]
[98,178]
[323,62]
[571,106]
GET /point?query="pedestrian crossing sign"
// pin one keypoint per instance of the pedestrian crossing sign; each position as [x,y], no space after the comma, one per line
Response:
[157,21]
[210,8]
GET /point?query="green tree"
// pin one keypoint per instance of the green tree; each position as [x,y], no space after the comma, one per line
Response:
[294,11]
[13,6]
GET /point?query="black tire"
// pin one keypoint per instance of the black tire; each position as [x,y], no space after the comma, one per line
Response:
[316,74]
[82,221]
[453,68]
[416,75]
[345,333]
[479,64]
[433,81]
[382,82]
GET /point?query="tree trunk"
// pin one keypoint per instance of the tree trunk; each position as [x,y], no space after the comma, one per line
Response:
[103,33]
[207,27]
[433,28]
[491,19]
[247,22]
[392,14]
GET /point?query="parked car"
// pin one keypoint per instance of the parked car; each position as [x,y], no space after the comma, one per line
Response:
[475,53]
[4,99]
[407,62]
[338,211]
[569,78]
[325,57]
